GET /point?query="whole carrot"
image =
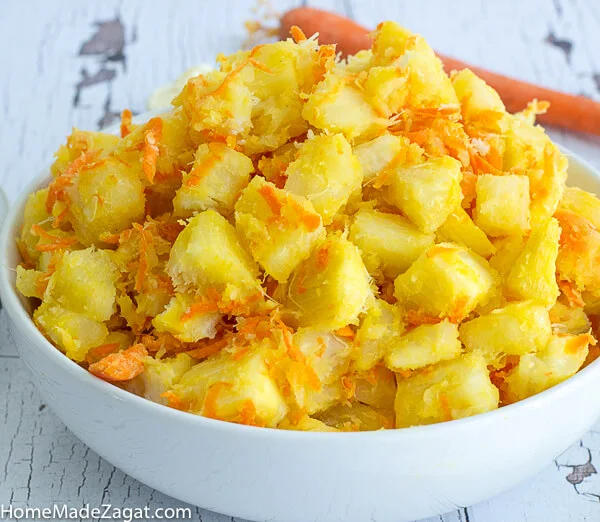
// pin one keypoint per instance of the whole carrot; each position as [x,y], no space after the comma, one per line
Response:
[568,111]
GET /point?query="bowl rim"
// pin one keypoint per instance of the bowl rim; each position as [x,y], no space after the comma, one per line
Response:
[23,321]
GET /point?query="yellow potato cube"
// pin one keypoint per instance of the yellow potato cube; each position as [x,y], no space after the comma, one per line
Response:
[239,390]
[459,228]
[559,360]
[516,329]
[339,106]
[217,177]
[529,150]
[278,228]
[207,255]
[449,390]
[160,375]
[533,275]
[188,319]
[73,333]
[426,344]
[428,192]
[502,204]
[388,243]
[354,416]
[376,154]
[84,282]
[481,105]
[34,213]
[106,198]
[376,388]
[379,328]
[330,288]
[326,173]
[583,203]
[447,281]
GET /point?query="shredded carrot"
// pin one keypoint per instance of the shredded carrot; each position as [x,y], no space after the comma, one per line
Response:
[56,243]
[120,366]
[349,386]
[101,351]
[345,331]
[576,344]
[208,350]
[573,295]
[297,34]
[200,308]
[260,66]
[210,401]
[173,401]
[201,170]
[151,151]
[269,195]
[322,347]
[323,256]
[126,117]
[248,414]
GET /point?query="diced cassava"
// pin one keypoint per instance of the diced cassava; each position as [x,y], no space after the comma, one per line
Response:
[459,228]
[508,249]
[84,282]
[583,203]
[234,390]
[330,288]
[502,204]
[34,213]
[533,275]
[188,318]
[340,106]
[376,154]
[355,416]
[28,282]
[568,319]
[388,243]
[326,172]
[447,281]
[426,344]
[72,332]
[327,354]
[449,390]
[379,328]
[376,388]
[279,228]
[161,375]
[560,359]
[215,181]
[305,423]
[106,198]
[428,192]
[207,255]
[516,329]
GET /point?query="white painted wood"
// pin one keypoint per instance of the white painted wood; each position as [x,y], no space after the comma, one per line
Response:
[40,461]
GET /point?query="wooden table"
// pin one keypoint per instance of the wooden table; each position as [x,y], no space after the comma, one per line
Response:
[71,63]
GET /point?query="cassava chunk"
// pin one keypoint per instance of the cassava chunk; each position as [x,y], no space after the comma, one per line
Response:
[28,282]
[426,344]
[234,390]
[84,282]
[584,203]
[217,177]
[376,388]
[379,327]
[330,288]
[388,243]
[106,198]
[161,375]
[502,204]
[326,173]
[336,105]
[530,151]
[559,360]
[533,275]
[34,213]
[427,192]
[459,228]
[449,390]
[355,416]
[374,155]
[278,228]
[188,318]
[516,329]
[427,84]
[207,255]
[508,249]
[327,354]
[568,319]
[447,281]
[73,333]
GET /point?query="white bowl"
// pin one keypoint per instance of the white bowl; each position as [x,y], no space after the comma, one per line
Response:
[265,474]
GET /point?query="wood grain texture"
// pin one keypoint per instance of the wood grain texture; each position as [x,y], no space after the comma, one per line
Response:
[80,63]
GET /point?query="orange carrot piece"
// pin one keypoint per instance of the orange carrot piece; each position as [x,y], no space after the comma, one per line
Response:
[121,366]
[126,117]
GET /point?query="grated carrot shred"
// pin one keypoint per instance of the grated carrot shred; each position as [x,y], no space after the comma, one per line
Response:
[126,117]
[200,308]
[269,195]
[150,150]
[210,400]
[345,331]
[101,351]
[297,34]
[121,366]
[323,257]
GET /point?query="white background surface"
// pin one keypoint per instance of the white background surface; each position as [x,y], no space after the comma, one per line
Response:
[42,64]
